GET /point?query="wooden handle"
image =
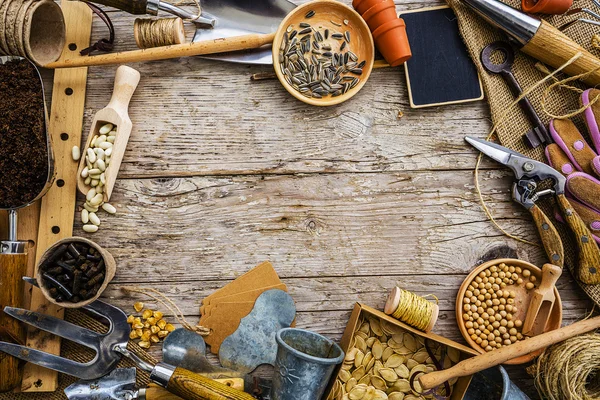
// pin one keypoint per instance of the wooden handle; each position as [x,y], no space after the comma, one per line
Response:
[155,392]
[136,7]
[552,47]
[235,43]
[589,253]
[549,235]
[550,275]
[503,354]
[191,386]
[126,81]
[12,269]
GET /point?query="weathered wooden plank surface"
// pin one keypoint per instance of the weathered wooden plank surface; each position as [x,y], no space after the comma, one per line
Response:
[222,173]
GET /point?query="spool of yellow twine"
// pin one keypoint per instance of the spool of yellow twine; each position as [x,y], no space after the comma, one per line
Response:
[412,309]
[158,32]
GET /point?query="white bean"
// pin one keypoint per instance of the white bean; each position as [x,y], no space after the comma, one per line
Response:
[94,171]
[88,163]
[87,180]
[90,208]
[112,133]
[94,219]
[111,139]
[101,165]
[107,161]
[106,145]
[94,182]
[85,216]
[99,188]
[85,172]
[91,156]
[109,208]
[76,153]
[99,153]
[103,178]
[90,228]
[101,139]
[97,200]
[90,194]
[93,141]
[105,129]
[108,152]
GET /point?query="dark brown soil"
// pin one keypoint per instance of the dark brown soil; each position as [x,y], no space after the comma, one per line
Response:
[23,150]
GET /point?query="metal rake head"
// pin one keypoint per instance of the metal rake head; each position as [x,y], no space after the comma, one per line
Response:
[103,344]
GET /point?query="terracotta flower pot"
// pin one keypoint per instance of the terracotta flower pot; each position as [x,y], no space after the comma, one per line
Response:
[546,6]
[379,14]
[392,42]
[361,6]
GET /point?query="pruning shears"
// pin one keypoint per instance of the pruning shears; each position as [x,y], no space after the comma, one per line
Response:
[528,174]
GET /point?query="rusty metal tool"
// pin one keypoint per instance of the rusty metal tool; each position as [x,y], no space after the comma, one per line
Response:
[542,301]
[109,348]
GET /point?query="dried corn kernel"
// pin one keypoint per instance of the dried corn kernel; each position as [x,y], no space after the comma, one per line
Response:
[146,325]
[151,321]
[133,335]
[146,336]
[147,314]
[161,324]
[162,334]
[138,326]
[154,339]
[137,320]
[138,306]
[158,315]
[143,344]
[130,319]
[154,329]
[139,332]
[169,328]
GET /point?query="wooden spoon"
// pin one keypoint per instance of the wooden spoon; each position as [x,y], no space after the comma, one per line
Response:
[542,301]
[116,113]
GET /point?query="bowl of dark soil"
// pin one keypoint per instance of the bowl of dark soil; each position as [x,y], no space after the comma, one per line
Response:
[74,272]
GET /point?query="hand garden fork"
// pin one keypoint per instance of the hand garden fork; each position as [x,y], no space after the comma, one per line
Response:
[109,348]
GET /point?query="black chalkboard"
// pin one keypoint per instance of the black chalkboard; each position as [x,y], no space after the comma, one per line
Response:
[440,70]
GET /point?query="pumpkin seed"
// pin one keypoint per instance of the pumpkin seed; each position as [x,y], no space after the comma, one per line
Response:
[396,396]
[402,371]
[410,363]
[358,373]
[453,354]
[360,344]
[378,383]
[394,361]
[350,384]
[377,350]
[420,356]
[344,375]
[376,327]
[387,353]
[367,359]
[388,374]
[365,380]
[359,358]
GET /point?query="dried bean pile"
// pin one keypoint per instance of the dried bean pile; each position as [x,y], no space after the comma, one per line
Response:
[73,272]
[23,150]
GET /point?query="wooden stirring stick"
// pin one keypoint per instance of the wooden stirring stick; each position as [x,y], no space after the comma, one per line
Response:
[496,357]
[542,301]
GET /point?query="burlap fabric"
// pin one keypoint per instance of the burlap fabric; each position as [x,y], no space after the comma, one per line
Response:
[82,354]
[477,34]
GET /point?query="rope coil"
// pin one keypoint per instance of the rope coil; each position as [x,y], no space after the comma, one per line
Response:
[412,309]
[158,32]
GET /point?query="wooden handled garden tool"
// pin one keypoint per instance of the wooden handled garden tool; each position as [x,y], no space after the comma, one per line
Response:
[491,359]
[109,348]
[13,266]
[542,301]
[528,172]
[539,39]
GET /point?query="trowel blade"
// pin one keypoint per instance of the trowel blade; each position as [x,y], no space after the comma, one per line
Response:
[241,17]
[118,385]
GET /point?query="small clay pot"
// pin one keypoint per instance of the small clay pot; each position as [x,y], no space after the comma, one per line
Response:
[392,42]
[546,6]
[361,6]
[109,264]
[379,14]
[44,34]
[10,22]
[19,29]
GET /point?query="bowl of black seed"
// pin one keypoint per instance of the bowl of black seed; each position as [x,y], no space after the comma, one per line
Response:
[74,272]
[323,52]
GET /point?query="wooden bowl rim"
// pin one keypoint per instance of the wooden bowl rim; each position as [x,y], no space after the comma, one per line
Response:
[329,101]
[110,269]
[463,288]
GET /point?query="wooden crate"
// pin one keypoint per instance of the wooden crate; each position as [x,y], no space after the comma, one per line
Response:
[361,311]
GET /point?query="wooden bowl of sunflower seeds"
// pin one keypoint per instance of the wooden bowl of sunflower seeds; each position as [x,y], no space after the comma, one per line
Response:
[323,52]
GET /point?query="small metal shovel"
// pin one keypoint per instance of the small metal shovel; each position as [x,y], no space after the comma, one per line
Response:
[109,348]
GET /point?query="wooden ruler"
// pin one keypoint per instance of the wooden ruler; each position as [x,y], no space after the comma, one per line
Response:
[58,205]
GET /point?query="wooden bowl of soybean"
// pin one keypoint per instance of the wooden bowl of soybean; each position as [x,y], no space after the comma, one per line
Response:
[323,52]
[517,292]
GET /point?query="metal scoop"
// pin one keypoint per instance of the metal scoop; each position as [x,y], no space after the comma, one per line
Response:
[109,348]
[13,262]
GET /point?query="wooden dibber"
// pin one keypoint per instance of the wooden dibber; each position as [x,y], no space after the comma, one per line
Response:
[542,301]
[116,113]
[503,354]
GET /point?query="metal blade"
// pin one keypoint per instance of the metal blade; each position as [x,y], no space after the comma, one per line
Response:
[56,326]
[492,150]
[118,385]
[88,370]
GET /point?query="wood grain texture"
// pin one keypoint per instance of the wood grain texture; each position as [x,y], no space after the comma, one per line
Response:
[12,269]
[190,386]
[135,7]
[58,205]
[552,47]
[588,268]
[549,235]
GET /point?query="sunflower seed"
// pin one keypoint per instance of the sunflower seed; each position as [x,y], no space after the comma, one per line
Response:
[304,25]
[335,23]
[310,14]
[305,31]
[347,36]
[356,71]
[326,33]
[343,46]
[337,36]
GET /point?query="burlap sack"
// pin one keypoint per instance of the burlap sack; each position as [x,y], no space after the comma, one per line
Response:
[82,354]
[477,34]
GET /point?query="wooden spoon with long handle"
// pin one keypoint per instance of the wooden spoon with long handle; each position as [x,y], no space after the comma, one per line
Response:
[117,114]
[496,357]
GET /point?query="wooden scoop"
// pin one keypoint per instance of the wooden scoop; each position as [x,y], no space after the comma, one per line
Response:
[116,113]
[491,359]
[542,301]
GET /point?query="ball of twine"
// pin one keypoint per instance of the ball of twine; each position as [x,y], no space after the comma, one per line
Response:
[570,369]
